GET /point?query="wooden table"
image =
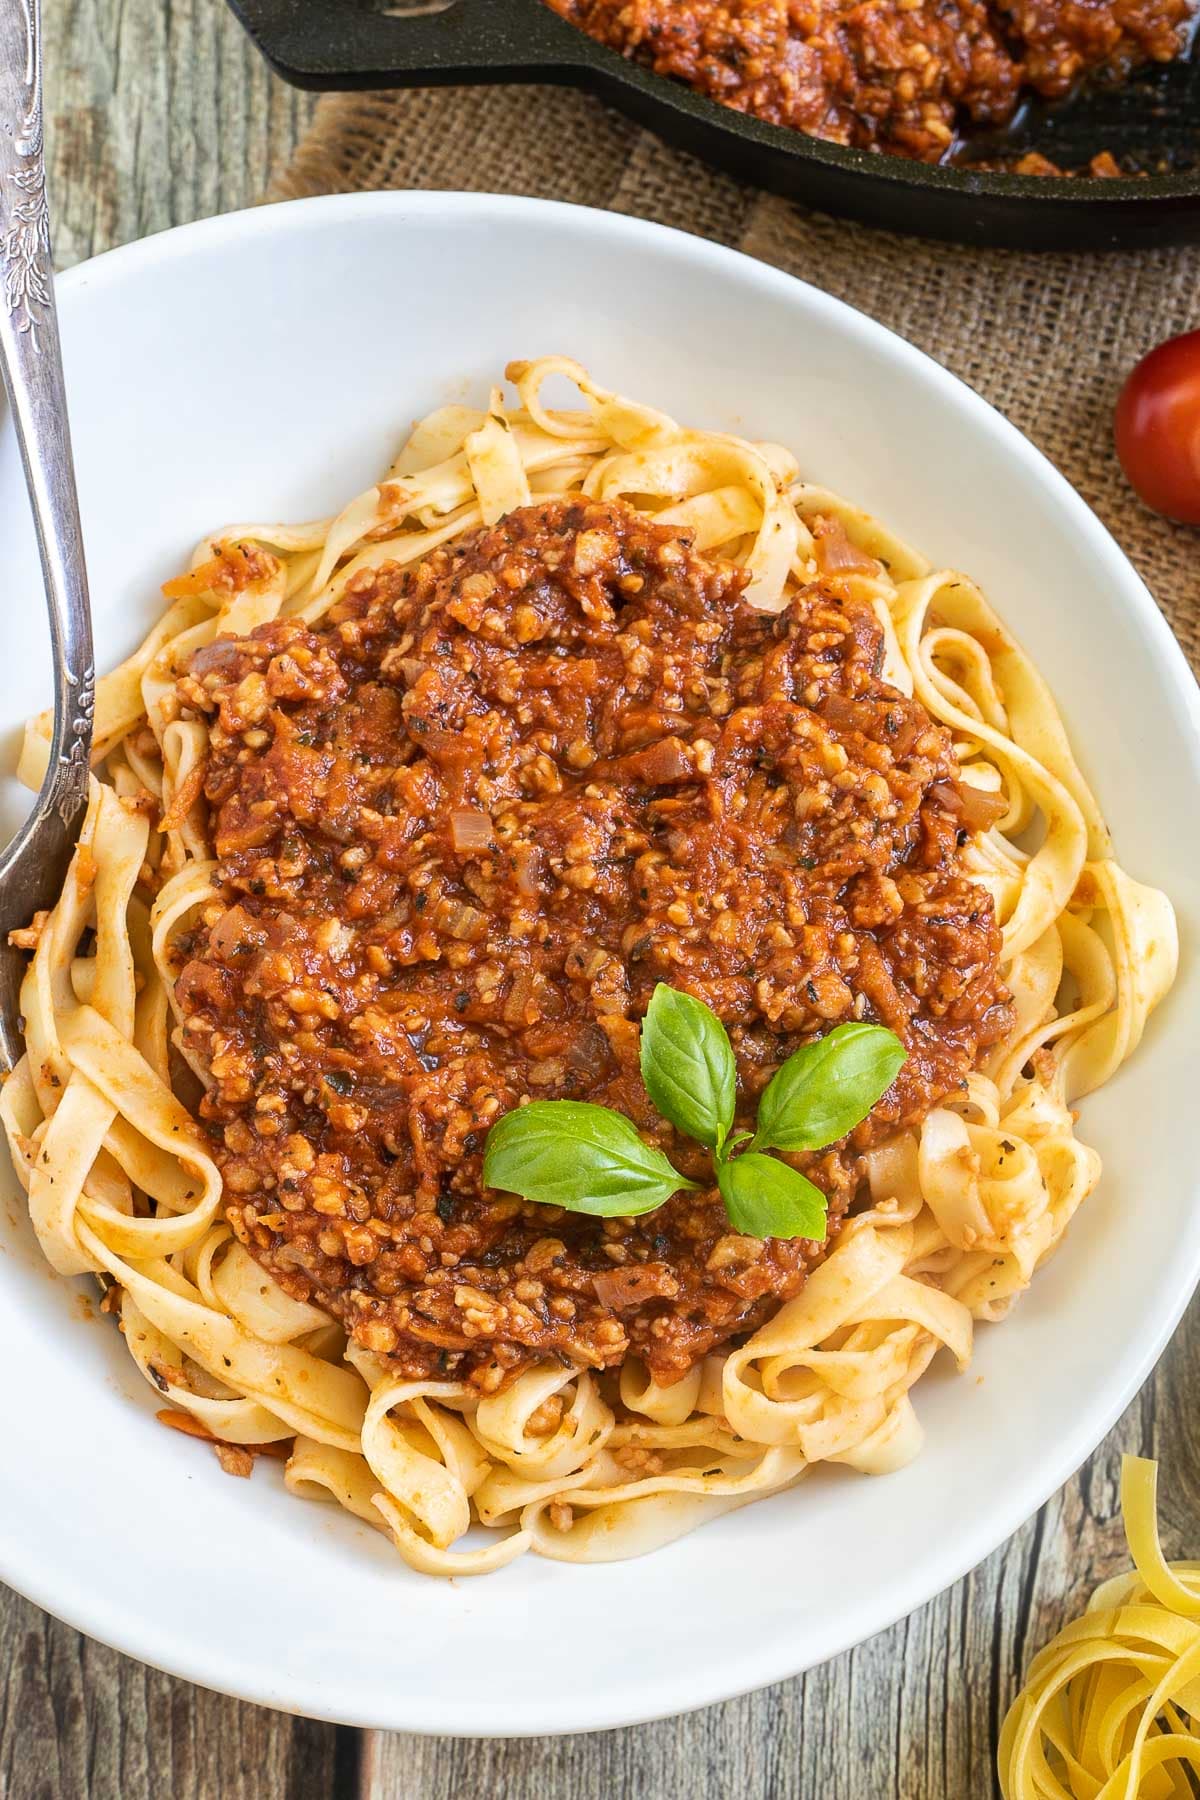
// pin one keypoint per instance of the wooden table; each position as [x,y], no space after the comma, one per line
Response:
[158,112]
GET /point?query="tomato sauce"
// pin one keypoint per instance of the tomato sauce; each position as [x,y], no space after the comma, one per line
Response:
[899,75]
[464,825]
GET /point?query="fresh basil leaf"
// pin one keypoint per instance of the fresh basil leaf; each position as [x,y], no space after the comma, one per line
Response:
[765,1198]
[585,1158]
[827,1088]
[687,1065]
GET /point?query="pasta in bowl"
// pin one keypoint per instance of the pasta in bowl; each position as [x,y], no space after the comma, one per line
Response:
[401,817]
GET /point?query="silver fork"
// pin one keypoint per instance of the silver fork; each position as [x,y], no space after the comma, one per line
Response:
[34,864]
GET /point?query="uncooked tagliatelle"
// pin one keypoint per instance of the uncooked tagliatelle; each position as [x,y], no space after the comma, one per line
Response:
[1109,1708]
[954,1215]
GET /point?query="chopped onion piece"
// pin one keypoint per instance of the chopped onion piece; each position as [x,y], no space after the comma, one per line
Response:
[835,553]
[471,830]
[977,810]
[621,1288]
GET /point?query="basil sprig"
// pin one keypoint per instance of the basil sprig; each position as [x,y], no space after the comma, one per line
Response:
[762,1195]
[590,1159]
[688,1067]
[827,1088]
[587,1159]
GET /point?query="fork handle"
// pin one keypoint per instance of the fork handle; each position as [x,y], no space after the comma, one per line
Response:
[31,359]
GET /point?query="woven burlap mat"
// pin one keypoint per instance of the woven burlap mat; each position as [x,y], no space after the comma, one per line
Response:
[1045,338]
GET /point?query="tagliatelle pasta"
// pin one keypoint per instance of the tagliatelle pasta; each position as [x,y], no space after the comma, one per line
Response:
[955,1216]
[1109,1708]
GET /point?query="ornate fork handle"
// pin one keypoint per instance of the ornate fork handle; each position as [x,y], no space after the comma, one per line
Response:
[32,367]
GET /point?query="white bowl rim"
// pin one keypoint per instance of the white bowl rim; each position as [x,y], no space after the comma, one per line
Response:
[756,1662]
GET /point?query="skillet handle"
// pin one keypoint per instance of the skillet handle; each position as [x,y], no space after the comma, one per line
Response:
[389,43]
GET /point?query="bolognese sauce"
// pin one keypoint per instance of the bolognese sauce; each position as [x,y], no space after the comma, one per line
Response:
[898,75]
[464,824]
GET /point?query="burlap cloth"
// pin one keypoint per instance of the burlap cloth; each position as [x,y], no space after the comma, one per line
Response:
[1045,338]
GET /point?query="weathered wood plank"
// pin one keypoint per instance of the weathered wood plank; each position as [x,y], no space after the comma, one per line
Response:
[78,1722]
[911,1715]
[158,111]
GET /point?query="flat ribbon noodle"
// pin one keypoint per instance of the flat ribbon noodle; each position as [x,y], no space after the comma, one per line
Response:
[1110,1709]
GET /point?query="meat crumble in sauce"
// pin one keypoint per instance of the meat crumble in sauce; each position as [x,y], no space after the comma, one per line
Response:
[898,75]
[464,825]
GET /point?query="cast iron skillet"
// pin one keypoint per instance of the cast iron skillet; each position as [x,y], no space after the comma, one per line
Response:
[1150,122]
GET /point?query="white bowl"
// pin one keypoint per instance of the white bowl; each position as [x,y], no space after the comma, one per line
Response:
[265,365]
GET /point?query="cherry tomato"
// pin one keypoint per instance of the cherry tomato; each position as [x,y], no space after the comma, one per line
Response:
[1157,428]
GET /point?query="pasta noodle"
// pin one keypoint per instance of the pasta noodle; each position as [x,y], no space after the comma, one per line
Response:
[1109,1709]
[957,1214]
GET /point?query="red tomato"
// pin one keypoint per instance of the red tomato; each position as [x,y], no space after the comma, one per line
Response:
[1157,428]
